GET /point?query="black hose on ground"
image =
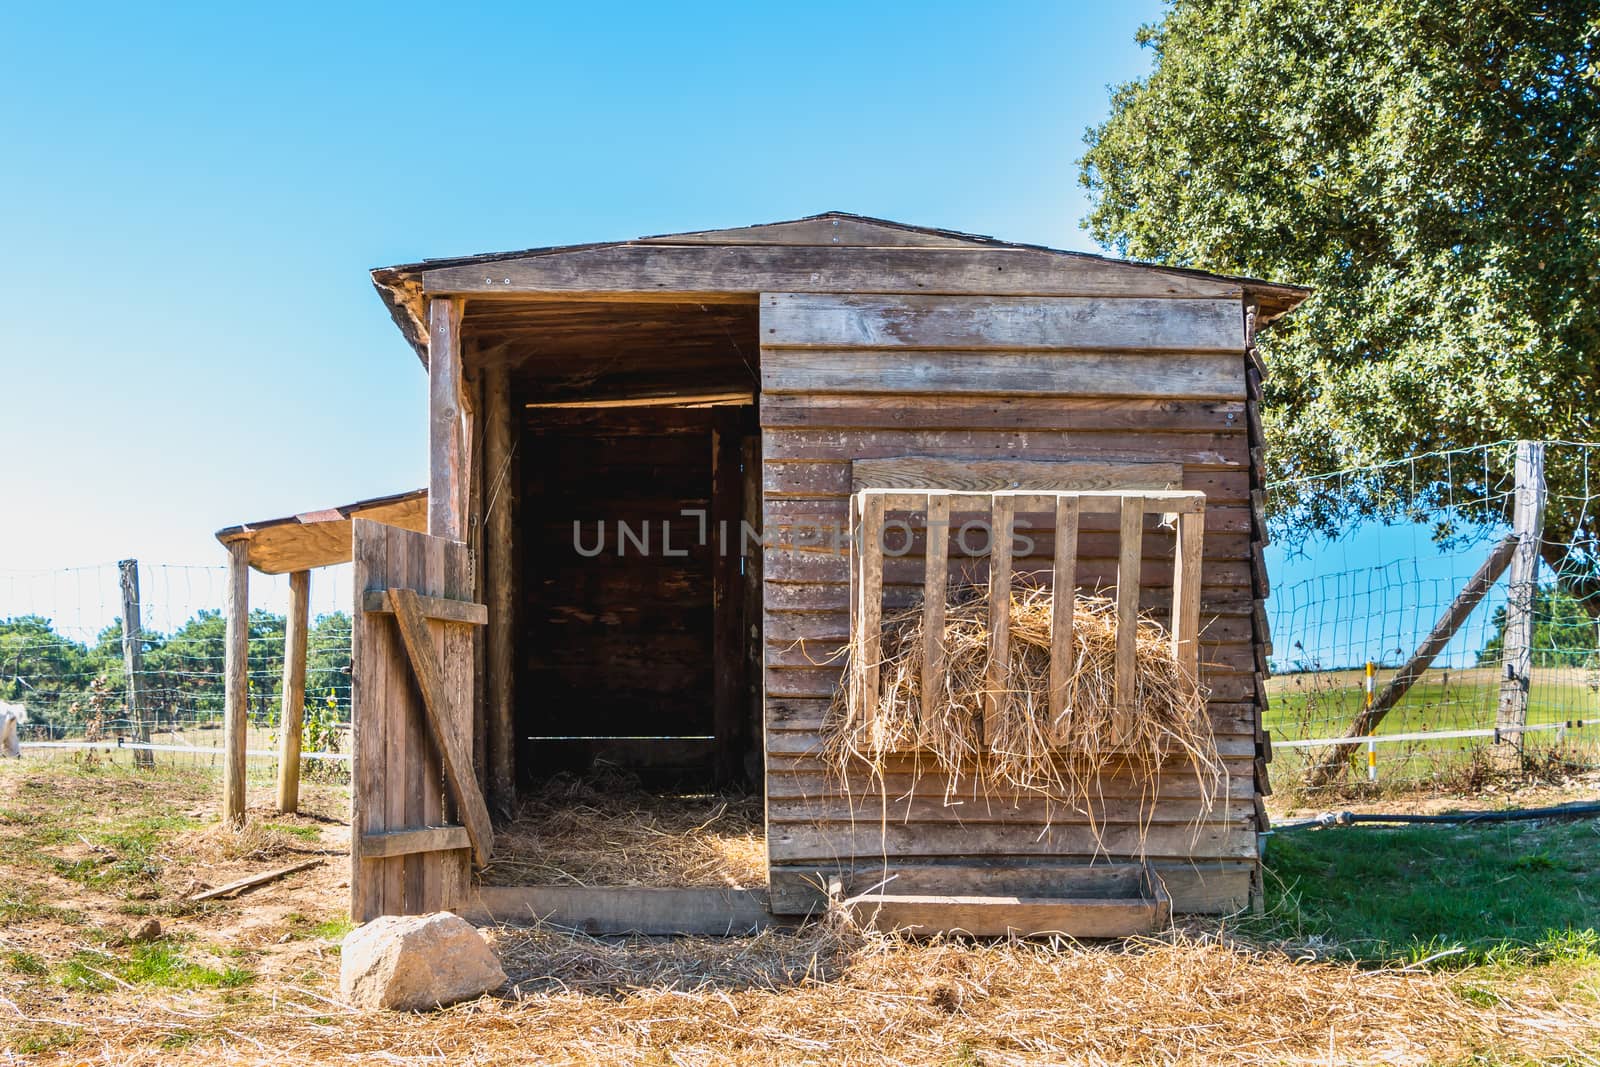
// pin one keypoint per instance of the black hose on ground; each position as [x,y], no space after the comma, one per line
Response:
[1350,818]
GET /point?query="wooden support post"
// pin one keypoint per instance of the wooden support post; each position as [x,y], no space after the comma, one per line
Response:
[293,711]
[236,684]
[499,544]
[727,599]
[869,613]
[1522,596]
[133,659]
[934,594]
[446,456]
[1443,630]
[1186,593]
[754,624]
[1002,526]
[1127,664]
[1063,604]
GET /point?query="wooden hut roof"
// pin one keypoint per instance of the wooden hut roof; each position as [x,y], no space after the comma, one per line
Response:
[620,267]
[322,538]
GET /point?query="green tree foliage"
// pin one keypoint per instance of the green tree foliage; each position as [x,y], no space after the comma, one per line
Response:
[1432,168]
[1564,634]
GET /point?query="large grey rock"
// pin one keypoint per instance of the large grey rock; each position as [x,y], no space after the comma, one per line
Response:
[416,962]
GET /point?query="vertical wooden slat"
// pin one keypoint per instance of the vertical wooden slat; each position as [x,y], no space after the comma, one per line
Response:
[870,545]
[1002,516]
[369,670]
[934,594]
[236,715]
[293,709]
[1132,545]
[411,752]
[499,581]
[446,461]
[1186,593]
[455,865]
[1064,588]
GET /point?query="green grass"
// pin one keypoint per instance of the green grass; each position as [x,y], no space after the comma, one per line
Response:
[24,962]
[304,833]
[38,1040]
[1512,894]
[158,965]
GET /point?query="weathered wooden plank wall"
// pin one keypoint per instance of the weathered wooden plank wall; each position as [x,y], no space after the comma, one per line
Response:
[1111,379]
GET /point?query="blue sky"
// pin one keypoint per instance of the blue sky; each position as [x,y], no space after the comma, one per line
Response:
[192,199]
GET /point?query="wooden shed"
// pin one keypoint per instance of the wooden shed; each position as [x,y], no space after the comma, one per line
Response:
[642,454]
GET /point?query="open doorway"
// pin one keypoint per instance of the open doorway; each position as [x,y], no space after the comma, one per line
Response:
[637,658]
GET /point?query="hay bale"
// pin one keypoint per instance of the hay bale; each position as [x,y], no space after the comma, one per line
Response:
[1025,748]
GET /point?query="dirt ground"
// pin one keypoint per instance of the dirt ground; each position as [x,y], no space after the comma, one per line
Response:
[88,853]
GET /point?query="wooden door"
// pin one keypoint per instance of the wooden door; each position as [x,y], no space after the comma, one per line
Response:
[418,820]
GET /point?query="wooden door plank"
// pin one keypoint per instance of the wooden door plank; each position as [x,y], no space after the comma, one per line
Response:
[454,754]
[1064,595]
[388,843]
[1128,617]
[1186,593]
[870,645]
[934,595]
[1002,514]
[442,609]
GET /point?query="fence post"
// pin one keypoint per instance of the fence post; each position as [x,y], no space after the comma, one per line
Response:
[133,658]
[294,691]
[1517,673]
[236,721]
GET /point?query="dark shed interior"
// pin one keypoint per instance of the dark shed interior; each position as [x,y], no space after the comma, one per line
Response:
[630,450]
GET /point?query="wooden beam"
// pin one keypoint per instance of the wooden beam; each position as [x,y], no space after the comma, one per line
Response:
[1063,604]
[407,842]
[869,615]
[1002,522]
[454,754]
[440,609]
[1521,600]
[500,588]
[614,910]
[446,454]
[727,599]
[292,714]
[250,882]
[1186,584]
[1127,663]
[1444,629]
[934,596]
[995,475]
[236,684]
[703,272]
[1008,323]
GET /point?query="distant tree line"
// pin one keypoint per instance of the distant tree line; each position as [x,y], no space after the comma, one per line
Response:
[1564,634]
[73,685]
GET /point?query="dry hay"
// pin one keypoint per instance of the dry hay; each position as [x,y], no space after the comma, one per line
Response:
[1022,747]
[824,996]
[606,829]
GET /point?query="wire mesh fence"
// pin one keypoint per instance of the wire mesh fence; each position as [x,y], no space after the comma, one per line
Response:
[63,660]
[1366,563]
[1369,563]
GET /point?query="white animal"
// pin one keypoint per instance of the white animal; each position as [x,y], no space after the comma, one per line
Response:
[11,717]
